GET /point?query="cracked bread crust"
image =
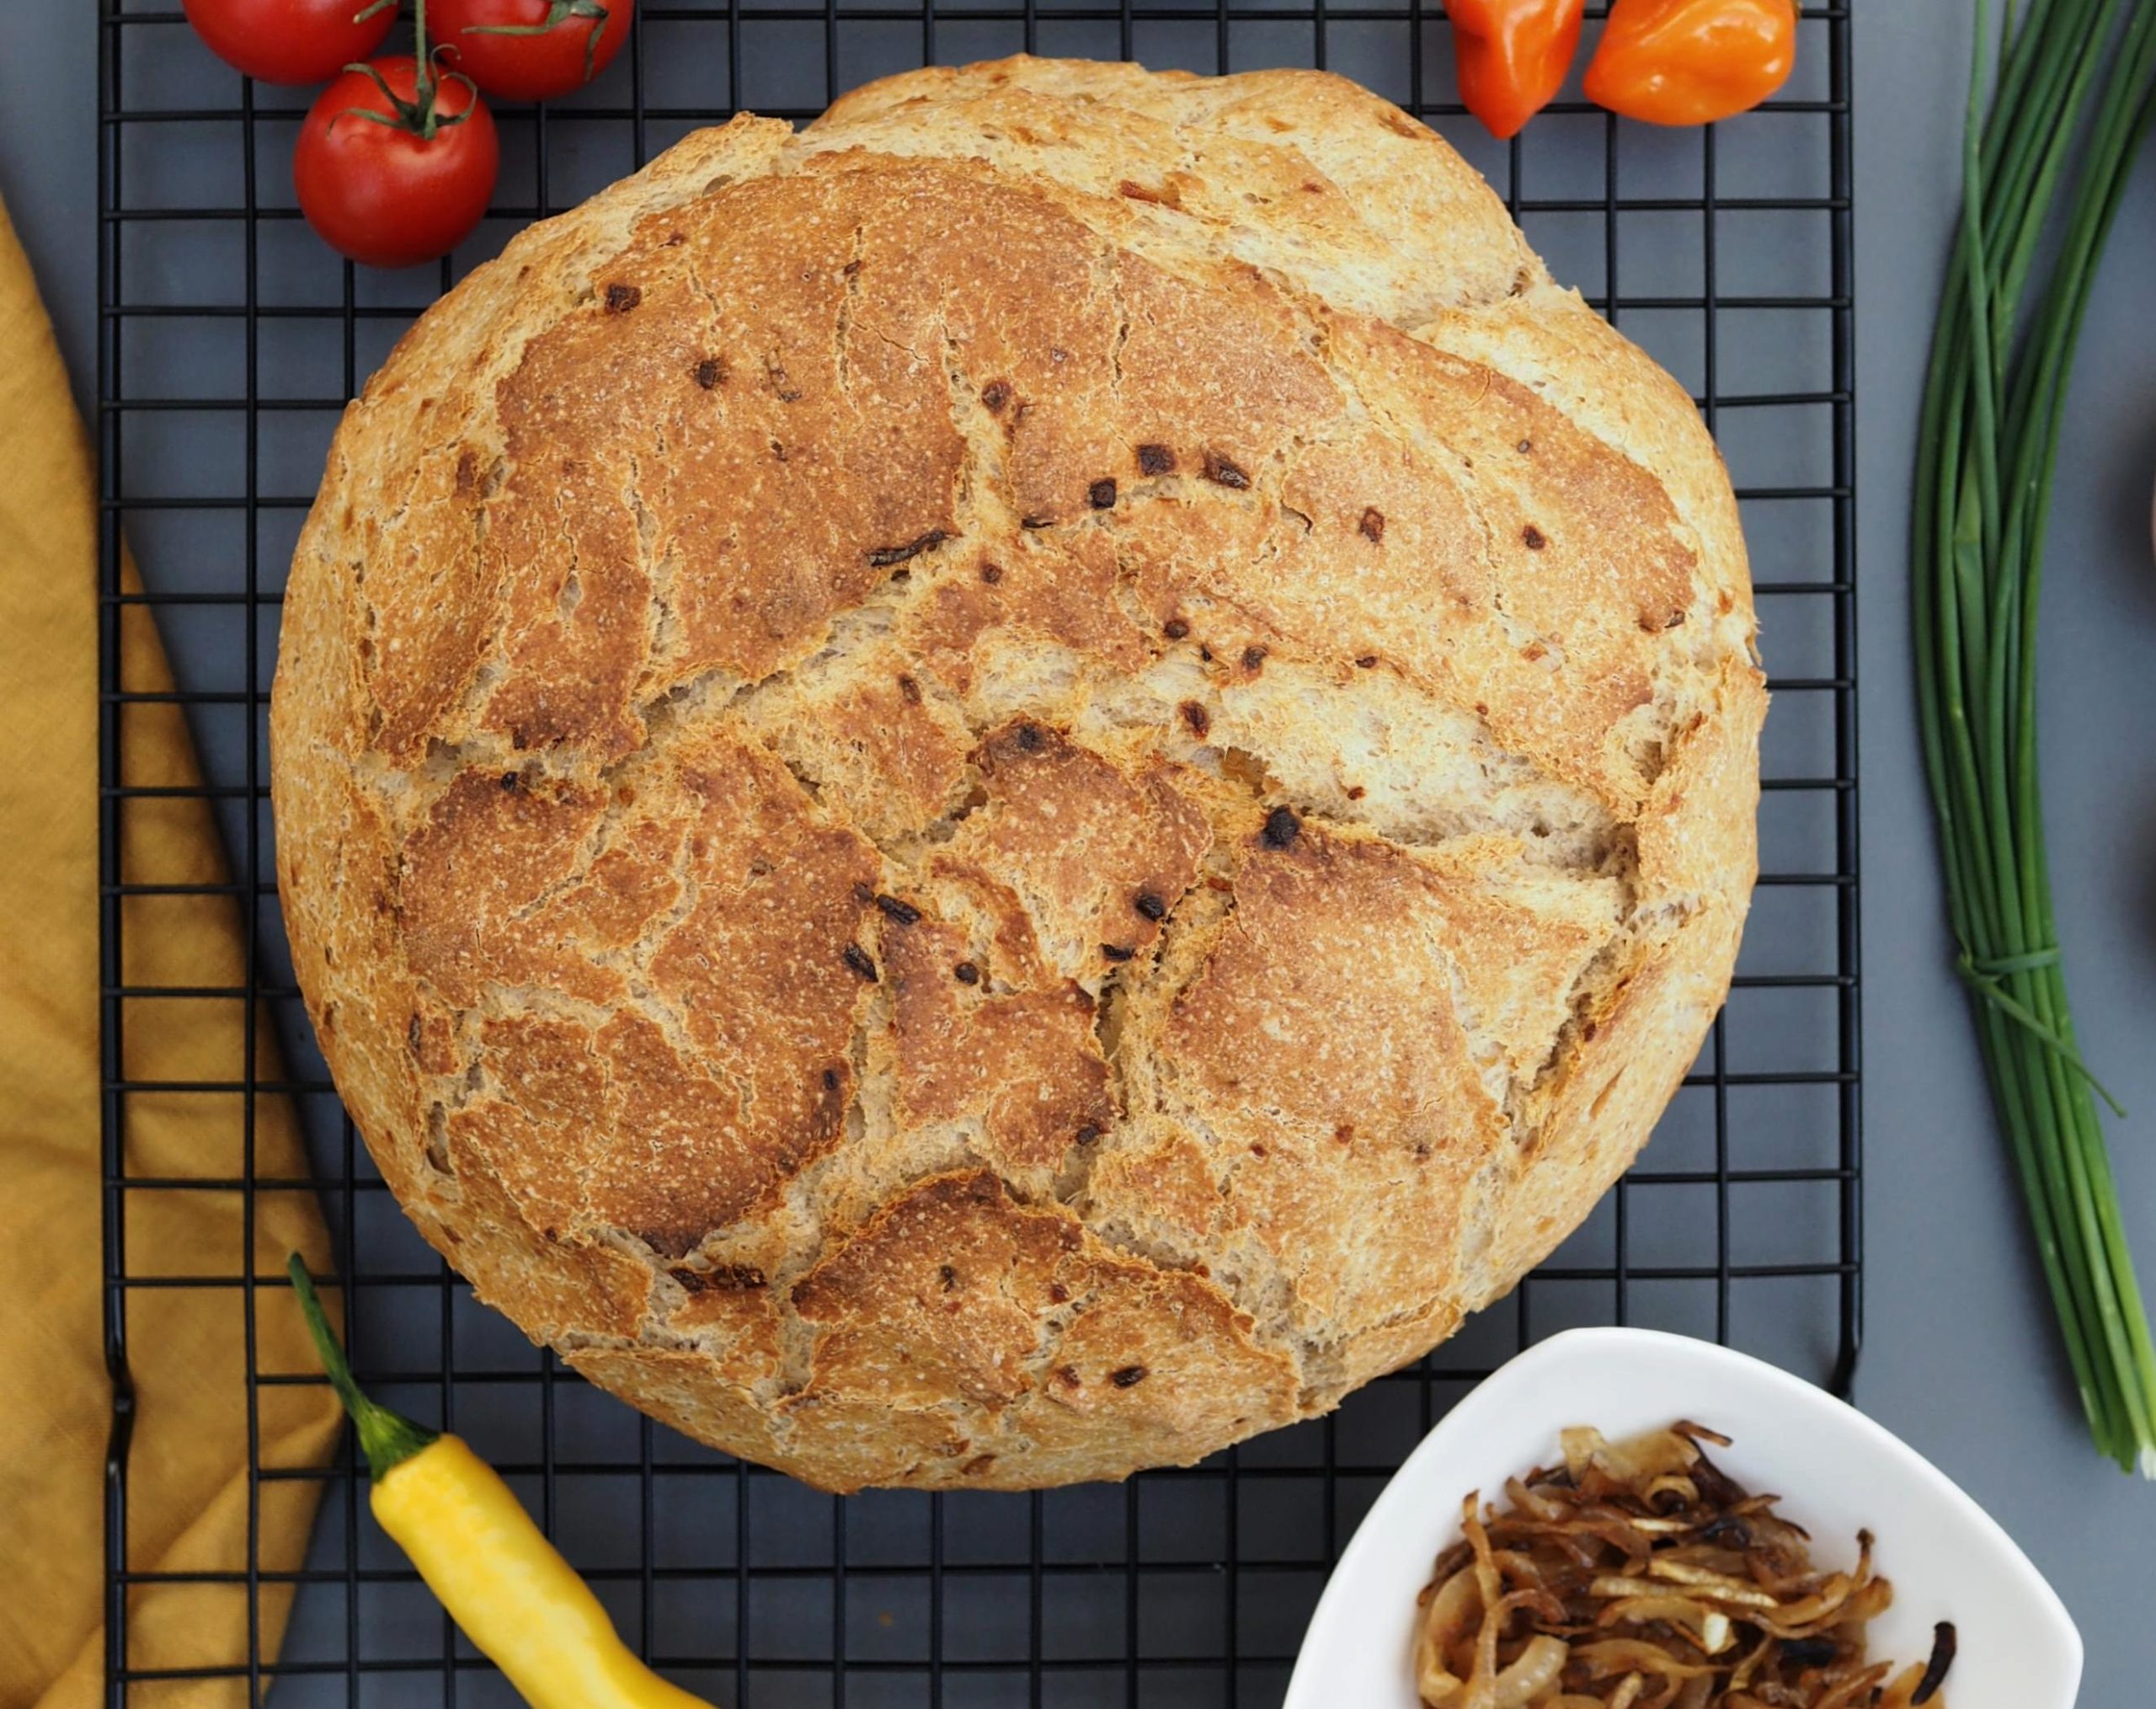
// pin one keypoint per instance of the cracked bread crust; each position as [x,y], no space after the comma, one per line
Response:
[1000,792]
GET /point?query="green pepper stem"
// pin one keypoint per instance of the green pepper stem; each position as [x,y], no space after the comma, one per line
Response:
[387,1439]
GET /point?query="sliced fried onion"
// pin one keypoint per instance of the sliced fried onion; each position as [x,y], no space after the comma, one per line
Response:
[1638,1575]
[1627,1655]
[1707,1627]
[1449,1615]
[1533,1672]
[1719,1587]
[1902,1689]
[1525,1500]
[1694,1694]
[1856,1689]
[1630,1690]
[1670,1483]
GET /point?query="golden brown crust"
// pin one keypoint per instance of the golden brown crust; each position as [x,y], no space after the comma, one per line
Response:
[1028,1343]
[1000,792]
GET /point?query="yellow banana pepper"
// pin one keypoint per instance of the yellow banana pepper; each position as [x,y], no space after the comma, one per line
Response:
[503,1582]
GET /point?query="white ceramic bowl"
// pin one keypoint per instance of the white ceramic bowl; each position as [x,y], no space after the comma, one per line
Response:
[1836,1470]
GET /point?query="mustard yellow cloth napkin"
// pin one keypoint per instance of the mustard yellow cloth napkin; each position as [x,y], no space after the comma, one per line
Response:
[187,1508]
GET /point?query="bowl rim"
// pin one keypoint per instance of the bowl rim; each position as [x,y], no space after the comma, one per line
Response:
[1494,1394]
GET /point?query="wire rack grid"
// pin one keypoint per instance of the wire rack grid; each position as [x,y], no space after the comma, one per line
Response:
[229,341]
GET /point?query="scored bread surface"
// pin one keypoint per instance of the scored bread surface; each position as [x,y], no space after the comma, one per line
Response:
[1000,791]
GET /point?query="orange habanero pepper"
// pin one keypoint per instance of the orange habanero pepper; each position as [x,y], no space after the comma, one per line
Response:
[1512,55]
[1692,62]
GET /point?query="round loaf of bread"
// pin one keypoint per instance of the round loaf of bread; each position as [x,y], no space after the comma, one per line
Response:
[1004,790]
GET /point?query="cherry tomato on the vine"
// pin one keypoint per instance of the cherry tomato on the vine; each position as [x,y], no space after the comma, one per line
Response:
[291,41]
[392,173]
[529,50]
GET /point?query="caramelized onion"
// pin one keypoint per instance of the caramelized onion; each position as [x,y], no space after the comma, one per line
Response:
[1637,1575]
[1533,1673]
[1448,1617]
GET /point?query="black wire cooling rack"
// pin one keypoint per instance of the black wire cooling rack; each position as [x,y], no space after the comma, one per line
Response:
[229,340]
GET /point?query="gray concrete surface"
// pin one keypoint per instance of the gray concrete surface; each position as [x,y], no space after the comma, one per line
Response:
[1959,1357]
[1960,1349]
[49,163]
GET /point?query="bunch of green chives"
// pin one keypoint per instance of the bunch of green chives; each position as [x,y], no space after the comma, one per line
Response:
[2073,97]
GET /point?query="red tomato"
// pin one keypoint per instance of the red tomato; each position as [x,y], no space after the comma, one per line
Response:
[529,49]
[291,41]
[378,189]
